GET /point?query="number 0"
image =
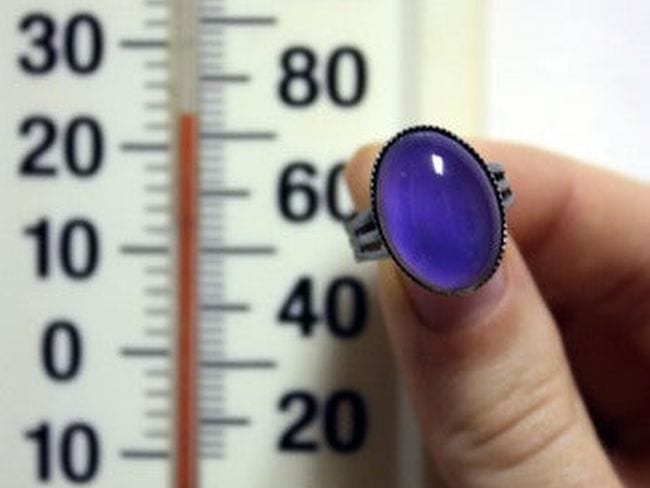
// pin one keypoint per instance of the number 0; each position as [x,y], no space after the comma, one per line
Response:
[61,350]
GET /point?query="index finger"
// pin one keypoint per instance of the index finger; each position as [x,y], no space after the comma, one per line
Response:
[577,226]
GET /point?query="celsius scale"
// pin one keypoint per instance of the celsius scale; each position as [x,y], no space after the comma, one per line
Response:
[180,305]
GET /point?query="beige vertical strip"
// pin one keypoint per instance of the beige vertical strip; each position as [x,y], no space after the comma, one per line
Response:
[446,64]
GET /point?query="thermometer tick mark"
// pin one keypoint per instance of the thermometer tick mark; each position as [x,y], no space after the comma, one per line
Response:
[157,229]
[156,23]
[156,106]
[157,332]
[164,188]
[239,135]
[212,455]
[157,126]
[226,193]
[157,270]
[157,312]
[156,434]
[240,364]
[156,65]
[144,44]
[226,421]
[157,168]
[239,250]
[225,78]
[144,147]
[144,352]
[157,414]
[164,393]
[156,3]
[157,209]
[225,307]
[143,454]
[156,85]
[157,291]
[157,373]
[143,250]
[240,21]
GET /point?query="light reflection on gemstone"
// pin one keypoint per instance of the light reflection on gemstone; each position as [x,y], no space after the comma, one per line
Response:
[438,164]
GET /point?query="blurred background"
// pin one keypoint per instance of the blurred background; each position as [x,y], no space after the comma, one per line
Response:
[180,306]
[570,76]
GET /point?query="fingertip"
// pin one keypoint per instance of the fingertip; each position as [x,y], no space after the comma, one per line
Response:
[357,173]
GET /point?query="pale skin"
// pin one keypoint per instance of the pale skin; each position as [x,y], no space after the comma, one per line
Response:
[542,377]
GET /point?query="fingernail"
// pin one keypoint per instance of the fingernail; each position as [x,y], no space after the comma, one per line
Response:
[445,313]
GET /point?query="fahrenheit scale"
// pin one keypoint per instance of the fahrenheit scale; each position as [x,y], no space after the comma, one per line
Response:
[179,305]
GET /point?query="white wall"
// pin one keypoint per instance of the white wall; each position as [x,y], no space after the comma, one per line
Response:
[572,75]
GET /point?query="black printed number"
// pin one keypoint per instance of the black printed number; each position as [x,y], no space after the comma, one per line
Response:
[342,417]
[299,196]
[81,45]
[344,79]
[76,451]
[345,308]
[82,147]
[75,247]
[61,350]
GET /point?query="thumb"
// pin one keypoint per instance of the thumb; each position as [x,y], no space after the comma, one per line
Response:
[488,377]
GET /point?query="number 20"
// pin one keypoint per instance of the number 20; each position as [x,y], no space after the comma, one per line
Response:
[344,422]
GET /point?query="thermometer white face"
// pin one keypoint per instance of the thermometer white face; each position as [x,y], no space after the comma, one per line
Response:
[180,308]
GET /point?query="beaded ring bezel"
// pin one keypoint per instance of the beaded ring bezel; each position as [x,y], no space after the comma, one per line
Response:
[490,178]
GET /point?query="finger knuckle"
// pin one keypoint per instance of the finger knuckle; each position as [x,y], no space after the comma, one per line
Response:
[511,431]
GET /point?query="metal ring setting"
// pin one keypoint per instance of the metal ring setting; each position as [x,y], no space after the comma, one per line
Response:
[483,185]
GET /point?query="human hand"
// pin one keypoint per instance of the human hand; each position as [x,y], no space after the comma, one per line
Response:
[508,383]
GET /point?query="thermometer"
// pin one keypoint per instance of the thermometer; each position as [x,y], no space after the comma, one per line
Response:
[180,305]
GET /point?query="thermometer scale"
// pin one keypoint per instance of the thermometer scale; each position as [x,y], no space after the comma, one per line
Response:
[180,304]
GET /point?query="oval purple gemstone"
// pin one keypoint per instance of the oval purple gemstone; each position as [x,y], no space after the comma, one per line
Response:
[438,210]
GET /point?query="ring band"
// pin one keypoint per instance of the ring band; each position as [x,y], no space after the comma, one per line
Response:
[438,210]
